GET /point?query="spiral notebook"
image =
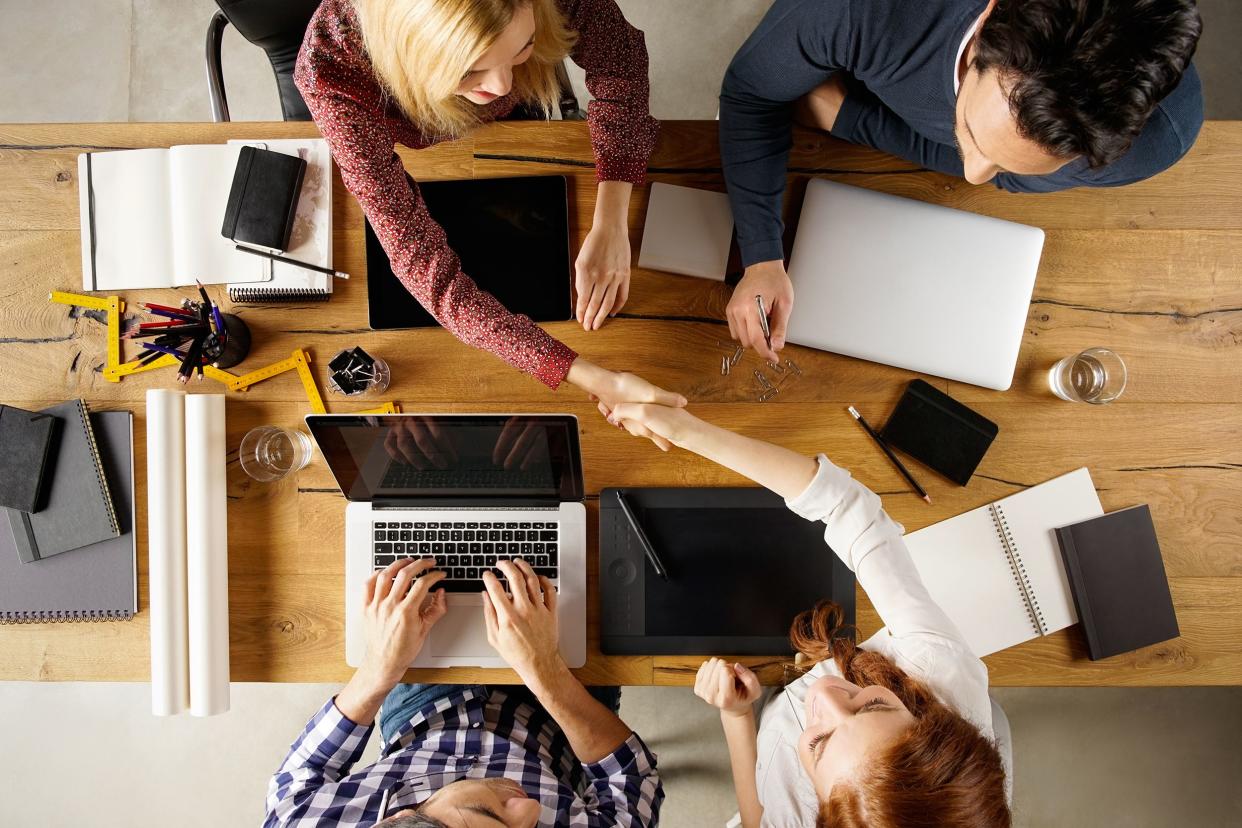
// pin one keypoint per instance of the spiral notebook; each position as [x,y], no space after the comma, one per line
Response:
[311,238]
[997,570]
[94,583]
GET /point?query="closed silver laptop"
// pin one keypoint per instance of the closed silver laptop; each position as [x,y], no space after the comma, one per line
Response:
[910,284]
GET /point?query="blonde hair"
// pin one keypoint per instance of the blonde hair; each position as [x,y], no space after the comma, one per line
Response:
[421,49]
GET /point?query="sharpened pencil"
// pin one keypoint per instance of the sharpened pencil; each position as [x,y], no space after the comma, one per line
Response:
[884,446]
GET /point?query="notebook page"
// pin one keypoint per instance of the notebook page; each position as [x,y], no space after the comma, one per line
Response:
[311,239]
[200,177]
[133,238]
[1033,516]
[963,564]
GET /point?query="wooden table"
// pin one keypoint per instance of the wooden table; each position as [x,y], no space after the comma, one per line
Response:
[1153,270]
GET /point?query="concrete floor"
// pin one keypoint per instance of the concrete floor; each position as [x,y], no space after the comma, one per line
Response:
[90,754]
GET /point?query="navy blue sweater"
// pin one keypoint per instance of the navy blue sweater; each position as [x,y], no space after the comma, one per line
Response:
[901,55]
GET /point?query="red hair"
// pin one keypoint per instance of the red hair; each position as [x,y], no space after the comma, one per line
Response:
[940,772]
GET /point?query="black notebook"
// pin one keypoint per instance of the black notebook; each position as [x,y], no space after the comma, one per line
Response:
[939,431]
[27,445]
[264,198]
[95,583]
[79,508]
[1116,576]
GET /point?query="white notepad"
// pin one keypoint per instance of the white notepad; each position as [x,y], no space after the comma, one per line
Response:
[151,218]
[997,570]
[311,239]
[687,231]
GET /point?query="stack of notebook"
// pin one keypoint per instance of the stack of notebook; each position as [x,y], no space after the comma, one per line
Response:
[1043,559]
[67,522]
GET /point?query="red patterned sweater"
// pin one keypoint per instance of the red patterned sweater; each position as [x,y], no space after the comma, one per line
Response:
[335,78]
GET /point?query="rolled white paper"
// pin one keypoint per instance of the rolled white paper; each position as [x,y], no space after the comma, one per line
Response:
[170,688]
[207,553]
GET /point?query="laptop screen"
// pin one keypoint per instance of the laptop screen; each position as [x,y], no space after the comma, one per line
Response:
[452,455]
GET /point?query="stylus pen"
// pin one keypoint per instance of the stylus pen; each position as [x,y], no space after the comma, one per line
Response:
[277,258]
[656,564]
[901,468]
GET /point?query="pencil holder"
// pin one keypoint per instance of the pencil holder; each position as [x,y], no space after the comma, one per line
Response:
[236,343]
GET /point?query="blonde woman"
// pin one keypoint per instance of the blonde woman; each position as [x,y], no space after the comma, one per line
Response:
[379,72]
[894,732]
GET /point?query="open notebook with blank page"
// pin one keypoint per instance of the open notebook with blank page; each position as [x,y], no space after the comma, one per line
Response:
[997,570]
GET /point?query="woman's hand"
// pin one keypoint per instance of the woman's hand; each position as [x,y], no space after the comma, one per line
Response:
[611,388]
[661,424]
[602,271]
[731,687]
[602,274]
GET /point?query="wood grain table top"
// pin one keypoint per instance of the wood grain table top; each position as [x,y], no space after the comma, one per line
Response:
[1152,270]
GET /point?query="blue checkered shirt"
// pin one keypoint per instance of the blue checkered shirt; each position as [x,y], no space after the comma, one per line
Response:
[470,735]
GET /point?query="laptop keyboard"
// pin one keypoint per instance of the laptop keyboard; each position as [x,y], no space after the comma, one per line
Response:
[464,550]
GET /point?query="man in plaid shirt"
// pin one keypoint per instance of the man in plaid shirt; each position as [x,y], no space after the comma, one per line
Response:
[455,756]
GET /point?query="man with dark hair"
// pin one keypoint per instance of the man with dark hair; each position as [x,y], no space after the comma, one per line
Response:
[455,756]
[1034,95]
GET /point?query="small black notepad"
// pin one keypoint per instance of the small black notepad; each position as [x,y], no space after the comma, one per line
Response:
[27,444]
[939,431]
[264,198]
[79,504]
[1116,576]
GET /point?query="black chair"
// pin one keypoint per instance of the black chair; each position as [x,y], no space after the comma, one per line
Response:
[277,27]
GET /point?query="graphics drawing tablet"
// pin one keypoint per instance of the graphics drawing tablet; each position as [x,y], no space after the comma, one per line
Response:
[741,567]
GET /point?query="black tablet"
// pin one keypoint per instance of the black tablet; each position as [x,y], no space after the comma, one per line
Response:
[512,236]
[741,567]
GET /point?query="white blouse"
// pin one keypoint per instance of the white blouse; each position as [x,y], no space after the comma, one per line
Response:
[917,636]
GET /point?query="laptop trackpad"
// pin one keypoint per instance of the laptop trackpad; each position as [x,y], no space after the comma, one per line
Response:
[461,632]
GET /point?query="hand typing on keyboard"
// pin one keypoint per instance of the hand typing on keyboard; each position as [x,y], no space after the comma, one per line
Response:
[399,611]
[522,625]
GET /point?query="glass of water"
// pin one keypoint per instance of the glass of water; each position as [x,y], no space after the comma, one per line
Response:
[1096,376]
[269,453]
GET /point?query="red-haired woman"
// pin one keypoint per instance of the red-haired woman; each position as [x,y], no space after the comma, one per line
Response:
[896,731]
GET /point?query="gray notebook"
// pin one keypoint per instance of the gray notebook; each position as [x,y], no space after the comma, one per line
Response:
[94,583]
[79,509]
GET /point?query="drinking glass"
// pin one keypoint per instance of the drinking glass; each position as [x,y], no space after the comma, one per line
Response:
[1096,376]
[269,453]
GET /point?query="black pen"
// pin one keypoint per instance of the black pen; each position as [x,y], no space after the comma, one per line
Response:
[642,537]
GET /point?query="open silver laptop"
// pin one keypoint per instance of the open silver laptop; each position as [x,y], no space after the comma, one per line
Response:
[469,490]
[910,284]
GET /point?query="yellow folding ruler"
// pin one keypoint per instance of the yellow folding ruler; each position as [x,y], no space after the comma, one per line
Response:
[114,306]
[386,408]
[300,362]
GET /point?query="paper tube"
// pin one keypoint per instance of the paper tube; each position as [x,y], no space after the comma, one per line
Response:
[170,689]
[207,553]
